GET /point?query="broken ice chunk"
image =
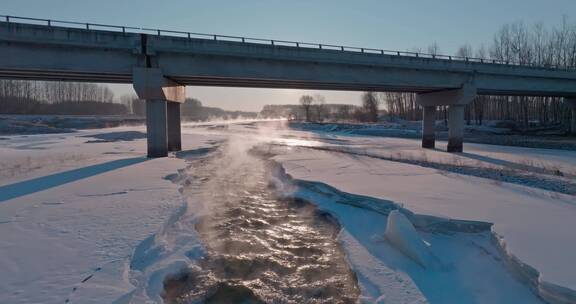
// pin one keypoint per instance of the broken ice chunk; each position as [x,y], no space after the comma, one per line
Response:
[402,235]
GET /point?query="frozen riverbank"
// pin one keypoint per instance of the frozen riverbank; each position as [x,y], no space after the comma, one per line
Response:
[530,221]
[70,226]
[492,133]
[108,226]
[464,265]
[48,124]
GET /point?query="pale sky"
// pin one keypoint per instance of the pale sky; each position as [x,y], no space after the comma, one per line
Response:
[386,24]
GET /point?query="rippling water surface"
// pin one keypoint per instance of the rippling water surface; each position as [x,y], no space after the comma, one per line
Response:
[260,249]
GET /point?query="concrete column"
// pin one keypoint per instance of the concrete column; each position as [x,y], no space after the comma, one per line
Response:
[174,134]
[156,128]
[428,125]
[456,99]
[455,128]
[162,119]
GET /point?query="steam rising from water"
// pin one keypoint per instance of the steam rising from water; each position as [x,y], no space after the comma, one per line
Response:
[260,249]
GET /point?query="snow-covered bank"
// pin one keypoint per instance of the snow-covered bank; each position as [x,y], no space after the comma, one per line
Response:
[71,235]
[494,133]
[552,170]
[463,267]
[30,156]
[73,242]
[46,124]
[543,179]
[168,251]
[531,221]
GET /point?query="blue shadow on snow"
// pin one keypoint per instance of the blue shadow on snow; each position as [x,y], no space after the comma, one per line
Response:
[46,182]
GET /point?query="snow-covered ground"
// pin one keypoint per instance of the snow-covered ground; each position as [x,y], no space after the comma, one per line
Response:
[536,225]
[46,124]
[79,212]
[71,213]
[458,267]
[491,132]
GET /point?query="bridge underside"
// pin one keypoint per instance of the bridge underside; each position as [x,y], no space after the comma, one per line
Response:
[48,75]
[63,75]
[222,81]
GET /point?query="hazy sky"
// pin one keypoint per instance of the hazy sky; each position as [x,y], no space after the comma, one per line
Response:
[394,25]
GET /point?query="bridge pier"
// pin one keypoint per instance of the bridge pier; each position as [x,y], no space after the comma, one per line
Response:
[456,99]
[156,128]
[163,98]
[428,126]
[455,128]
[174,125]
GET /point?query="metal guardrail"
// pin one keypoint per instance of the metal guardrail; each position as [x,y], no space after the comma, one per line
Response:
[192,35]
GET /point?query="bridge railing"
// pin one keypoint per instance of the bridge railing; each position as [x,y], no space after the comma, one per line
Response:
[193,35]
[71,24]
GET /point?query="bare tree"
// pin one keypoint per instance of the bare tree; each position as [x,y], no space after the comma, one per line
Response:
[50,97]
[130,100]
[319,106]
[465,51]
[344,111]
[370,106]
[433,49]
[306,103]
[538,45]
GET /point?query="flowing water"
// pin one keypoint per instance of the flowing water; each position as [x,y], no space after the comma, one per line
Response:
[260,249]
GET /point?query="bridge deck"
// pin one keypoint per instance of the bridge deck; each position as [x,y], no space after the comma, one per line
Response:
[42,52]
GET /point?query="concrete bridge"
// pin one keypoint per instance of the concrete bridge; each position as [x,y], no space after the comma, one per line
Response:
[161,63]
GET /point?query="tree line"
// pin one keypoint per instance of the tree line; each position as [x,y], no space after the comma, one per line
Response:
[516,42]
[47,97]
[191,110]
[79,98]
[315,108]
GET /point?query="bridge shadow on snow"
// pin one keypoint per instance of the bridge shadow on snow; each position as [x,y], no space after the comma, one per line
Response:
[54,180]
